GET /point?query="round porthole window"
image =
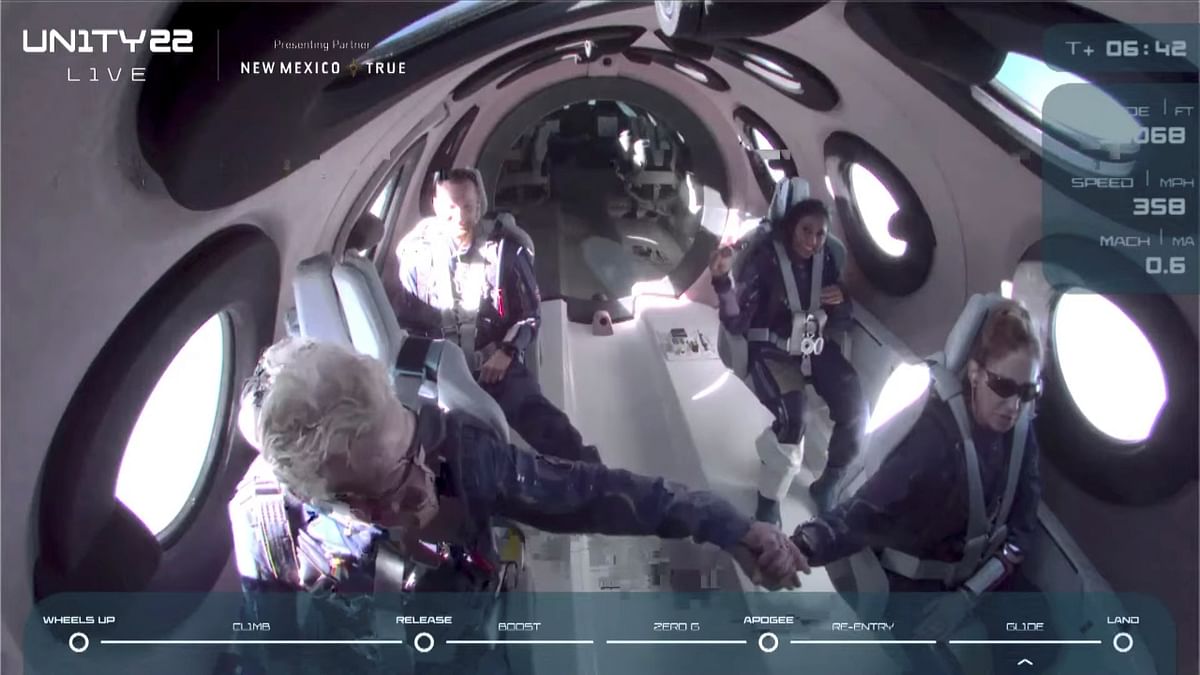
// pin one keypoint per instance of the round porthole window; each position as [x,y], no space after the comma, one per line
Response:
[171,445]
[884,224]
[877,207]
[1110,369]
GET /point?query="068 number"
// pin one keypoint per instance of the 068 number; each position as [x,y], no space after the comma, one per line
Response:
[1161,135]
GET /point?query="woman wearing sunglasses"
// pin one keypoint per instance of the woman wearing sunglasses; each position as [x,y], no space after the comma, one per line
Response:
[917,501]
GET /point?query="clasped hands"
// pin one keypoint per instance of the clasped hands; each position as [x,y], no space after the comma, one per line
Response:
[769,557]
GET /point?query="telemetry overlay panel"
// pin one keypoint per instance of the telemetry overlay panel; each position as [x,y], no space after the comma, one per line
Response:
[1120,153]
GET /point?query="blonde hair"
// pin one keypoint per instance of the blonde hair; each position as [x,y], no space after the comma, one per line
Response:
[1008,328]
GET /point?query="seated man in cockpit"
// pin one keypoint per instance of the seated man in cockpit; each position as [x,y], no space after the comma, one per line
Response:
[478,289]
[351,464]
[759,308]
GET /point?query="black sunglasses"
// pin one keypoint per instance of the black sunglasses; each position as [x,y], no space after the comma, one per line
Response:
[1006,388]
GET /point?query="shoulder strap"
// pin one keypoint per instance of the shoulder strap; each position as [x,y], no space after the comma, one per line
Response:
[815,279]
[977,522]
[789,279]
[949,389]
[1016,458]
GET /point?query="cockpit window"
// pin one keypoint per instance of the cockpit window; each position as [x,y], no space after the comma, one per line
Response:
[608,193]
[171,445]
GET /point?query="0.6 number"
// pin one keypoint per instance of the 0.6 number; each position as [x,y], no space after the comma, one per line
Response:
[1159,206]
[1175,265]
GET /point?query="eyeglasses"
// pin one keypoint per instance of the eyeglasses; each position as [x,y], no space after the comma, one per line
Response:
[403,494]
[1007,388]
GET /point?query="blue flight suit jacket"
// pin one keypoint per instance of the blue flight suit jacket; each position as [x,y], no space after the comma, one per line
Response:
[917,501]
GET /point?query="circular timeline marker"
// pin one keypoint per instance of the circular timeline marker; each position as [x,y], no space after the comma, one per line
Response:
[1123,637]
[768,638]
[424,649]
[78,637]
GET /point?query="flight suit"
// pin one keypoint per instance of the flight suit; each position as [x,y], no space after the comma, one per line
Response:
[757,299]
[485,297]
[917,502]
[479,478]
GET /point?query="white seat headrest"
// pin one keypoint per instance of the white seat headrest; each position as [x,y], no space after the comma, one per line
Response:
[788,192]
[318,311]
[962,335]
[375,331]
[369,319]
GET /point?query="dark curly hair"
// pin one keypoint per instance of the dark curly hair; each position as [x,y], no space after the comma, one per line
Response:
[798,211]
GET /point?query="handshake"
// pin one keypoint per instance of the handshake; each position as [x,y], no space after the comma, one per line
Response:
[769,557]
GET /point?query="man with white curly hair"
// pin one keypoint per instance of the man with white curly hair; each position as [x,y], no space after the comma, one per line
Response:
[335,435]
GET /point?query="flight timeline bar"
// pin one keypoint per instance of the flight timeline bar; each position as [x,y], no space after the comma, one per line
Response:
[424,642]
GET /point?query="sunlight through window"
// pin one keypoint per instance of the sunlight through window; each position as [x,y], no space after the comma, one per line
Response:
[1110,368]
[169,447]
[381,201]
[1090,115]
[692,73]
[717,383]
[877,206]
[761,143]
[772,73]
[693,199]
[903,387]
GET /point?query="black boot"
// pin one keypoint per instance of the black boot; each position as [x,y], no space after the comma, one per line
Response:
[822,489]
[768,511]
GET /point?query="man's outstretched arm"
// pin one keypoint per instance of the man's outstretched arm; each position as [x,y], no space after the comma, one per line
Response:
[574,497]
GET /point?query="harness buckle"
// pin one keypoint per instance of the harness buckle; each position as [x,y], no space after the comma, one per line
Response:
[806,337]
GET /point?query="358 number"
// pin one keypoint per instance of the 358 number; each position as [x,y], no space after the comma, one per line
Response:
[1159,206]
[1162,135]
